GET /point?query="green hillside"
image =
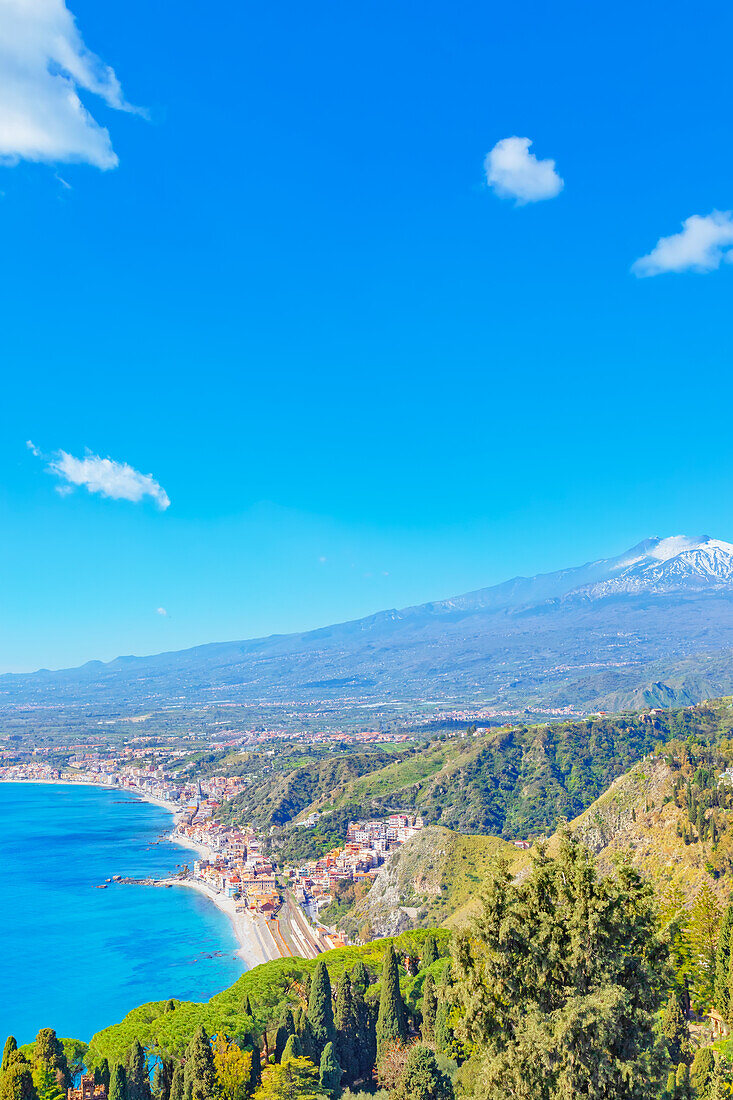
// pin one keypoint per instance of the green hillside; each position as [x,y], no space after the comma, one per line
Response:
[433,876]
[513,782]
[166,1027]
[277,798]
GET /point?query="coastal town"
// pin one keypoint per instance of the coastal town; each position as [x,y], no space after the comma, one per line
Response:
[282,904]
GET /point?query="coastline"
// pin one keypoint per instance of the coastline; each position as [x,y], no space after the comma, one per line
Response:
[256,943]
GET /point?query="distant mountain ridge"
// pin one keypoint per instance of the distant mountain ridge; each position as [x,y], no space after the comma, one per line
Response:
[606,629]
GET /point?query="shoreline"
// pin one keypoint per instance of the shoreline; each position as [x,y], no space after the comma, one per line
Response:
[256,943]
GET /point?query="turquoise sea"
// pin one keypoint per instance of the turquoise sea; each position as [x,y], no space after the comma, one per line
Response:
[76,958]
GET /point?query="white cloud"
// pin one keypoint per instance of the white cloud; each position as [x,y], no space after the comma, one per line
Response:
[44,64]
[515,173]
[161,611]
[115,480]
[699,247]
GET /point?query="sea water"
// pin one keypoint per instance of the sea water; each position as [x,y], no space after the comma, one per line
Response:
[77,958]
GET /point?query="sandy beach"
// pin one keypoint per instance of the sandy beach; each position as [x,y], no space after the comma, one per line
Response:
[256,942]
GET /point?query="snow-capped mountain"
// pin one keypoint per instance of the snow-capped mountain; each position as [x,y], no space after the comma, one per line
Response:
[655,565]
[667,565]
[661,613]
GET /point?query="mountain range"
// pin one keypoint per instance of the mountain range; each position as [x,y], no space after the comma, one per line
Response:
[654,624]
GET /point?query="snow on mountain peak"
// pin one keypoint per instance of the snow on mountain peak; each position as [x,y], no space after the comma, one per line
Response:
[661,565]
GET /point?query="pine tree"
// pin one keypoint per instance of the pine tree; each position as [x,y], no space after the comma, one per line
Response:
[138,1082]
[347,1031]
[233,1068]
[292,1049]
[16,1083]
[10,1046]
[721,992]
[701,1070]
[430,952]
[558,981]
[676,1032]
[320,1008]
[199,1076]
[47,1083]
[391,1021]
[422,1079]
[330,1071]
[429,1009]
[293,1080]
[118,1083]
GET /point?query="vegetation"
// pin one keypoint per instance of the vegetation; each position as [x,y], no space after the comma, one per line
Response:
[558,981]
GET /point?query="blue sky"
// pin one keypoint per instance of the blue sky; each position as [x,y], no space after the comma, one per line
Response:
[361,375]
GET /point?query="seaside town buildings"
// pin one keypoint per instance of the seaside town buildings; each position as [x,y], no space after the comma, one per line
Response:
[231,860]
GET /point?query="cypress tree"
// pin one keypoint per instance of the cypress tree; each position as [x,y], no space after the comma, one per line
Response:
[391,1021]
[330,1071]
[292,1049]
[360,978]
[285,1029]
[48,1053]
[366,1043]
[199,1076]
[16,1083]
[304,1031]
[429,1009]
[138,1082]
[430,951]
[101,1074]
[159,1090]
[118,1083]
[255,1070]
[682,1082]
[10,1046]
[676,1032]
[347,1031]
[701,1070]
[320,1008]
[176,1092]
[721,992]
[422,1079]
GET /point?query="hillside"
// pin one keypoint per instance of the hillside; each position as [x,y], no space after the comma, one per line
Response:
[432,877]
[271,987]
[280,797]
[672,815]
[437,876]
[605,630]
[513,783]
